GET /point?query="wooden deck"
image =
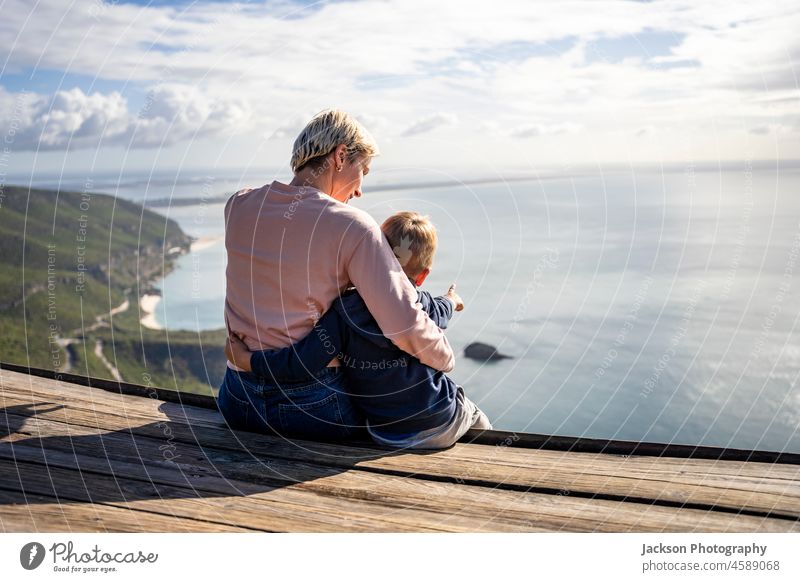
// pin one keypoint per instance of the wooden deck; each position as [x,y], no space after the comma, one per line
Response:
[75,458]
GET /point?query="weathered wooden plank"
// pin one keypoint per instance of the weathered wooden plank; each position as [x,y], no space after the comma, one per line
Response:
[493,437]
[359,512]
[776,489]
[101,384]
[217,473]
[144,460]
[240,474]
[37,513]
[622,447]
[145,407]
[224,472]
[136,407]
[276,510]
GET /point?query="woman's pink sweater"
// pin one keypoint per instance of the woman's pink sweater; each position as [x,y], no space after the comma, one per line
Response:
[293,250]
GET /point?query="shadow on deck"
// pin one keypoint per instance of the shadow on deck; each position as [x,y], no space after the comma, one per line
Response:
[121,458]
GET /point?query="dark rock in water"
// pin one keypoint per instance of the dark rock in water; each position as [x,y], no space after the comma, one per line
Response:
[485,352]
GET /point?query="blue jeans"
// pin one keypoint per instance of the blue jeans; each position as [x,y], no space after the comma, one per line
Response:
[318,408]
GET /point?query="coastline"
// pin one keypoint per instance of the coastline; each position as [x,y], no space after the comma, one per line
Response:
[205,242]
[148,303]
[147,306]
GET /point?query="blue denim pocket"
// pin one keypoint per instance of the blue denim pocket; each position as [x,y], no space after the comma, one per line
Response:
[234,401]
[312,414]
[320,410]
[317,409]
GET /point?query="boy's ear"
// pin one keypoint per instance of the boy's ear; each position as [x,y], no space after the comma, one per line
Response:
[420,279]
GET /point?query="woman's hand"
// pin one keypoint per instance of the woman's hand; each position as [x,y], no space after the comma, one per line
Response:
[237,352]
[455,298]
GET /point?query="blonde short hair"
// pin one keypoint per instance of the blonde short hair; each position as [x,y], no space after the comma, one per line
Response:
[413,239]
[326,130]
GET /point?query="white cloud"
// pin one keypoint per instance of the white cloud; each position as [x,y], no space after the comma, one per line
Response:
[540,129]
[287,61]
[429,123]
[72,119]
[760,130]
[290,128]
[777,129]
[645,131]
[375,123]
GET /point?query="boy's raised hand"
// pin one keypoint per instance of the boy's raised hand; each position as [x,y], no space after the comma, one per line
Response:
[455,298]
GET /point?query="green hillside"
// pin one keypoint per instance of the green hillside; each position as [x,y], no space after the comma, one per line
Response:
[68,258]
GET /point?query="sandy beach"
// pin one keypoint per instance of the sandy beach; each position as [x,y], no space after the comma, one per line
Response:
[148,302]
[147,305]
[204,243]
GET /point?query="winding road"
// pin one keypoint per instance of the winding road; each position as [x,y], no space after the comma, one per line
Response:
[100,321]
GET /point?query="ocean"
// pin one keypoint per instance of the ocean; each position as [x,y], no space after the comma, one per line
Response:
[635,305]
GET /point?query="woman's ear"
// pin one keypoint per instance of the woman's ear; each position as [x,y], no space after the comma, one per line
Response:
[339,156]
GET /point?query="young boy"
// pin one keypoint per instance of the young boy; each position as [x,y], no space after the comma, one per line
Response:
[405,403]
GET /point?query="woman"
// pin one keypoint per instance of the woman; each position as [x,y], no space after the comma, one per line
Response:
[292,249]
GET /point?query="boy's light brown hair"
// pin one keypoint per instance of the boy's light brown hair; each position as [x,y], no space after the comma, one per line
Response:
[413,240]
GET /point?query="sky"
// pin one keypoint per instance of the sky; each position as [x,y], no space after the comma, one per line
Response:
[446,86]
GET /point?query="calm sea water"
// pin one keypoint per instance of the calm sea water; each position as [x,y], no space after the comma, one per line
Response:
[634,305]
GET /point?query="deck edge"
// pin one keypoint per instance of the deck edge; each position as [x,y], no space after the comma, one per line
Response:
[491,437]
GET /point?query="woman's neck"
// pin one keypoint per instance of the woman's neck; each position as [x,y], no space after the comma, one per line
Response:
[309,179]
